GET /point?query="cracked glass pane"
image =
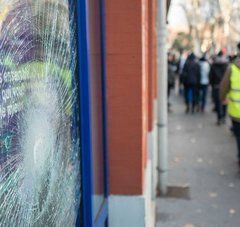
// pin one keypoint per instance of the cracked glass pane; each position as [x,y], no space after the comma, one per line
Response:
[39,138]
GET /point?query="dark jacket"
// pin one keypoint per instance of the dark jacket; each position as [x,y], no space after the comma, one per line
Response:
[171,73]
[191,71]
[217,71]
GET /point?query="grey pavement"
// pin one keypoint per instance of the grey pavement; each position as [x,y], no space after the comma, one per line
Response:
[202,156]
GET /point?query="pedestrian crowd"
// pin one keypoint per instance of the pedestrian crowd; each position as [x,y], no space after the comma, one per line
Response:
[195,77]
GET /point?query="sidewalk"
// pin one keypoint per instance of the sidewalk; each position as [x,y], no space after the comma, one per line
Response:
[202,156]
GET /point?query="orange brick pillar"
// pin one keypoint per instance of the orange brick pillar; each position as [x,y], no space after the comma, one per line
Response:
[126,57]
[152,61]
[154,47]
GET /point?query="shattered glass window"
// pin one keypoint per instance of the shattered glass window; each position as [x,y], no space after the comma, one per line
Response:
[39,138]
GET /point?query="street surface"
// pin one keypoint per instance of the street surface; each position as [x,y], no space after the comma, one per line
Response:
[203,157]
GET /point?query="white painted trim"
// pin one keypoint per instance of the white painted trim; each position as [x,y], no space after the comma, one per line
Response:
[149,202]
[152,148]
[126,211]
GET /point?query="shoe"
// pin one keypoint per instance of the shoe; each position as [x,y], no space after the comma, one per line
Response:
[187,110]
[223,121]
[198,109]
[218,123]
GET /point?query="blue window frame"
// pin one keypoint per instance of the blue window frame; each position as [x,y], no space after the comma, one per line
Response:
[89,54]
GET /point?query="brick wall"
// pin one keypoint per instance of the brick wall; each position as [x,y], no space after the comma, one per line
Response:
[128,78]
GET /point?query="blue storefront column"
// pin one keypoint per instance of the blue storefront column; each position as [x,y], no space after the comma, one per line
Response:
[83,9]
[85,113]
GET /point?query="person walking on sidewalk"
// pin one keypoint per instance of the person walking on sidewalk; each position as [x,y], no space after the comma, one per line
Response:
[180,67]
[191,81]
[204,82]
[172,68]
[217,72]
[230,90]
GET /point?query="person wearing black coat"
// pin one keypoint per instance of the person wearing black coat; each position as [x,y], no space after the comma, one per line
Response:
[191,80]
[217,73]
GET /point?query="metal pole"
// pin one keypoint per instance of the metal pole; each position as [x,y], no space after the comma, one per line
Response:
[162,98]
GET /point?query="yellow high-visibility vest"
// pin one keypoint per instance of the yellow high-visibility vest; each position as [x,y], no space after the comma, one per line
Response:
[234,94]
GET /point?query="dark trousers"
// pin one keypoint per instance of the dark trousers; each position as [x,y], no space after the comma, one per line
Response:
[170,87]
[221,109]
[236,130]
[191,95]
[203,91]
